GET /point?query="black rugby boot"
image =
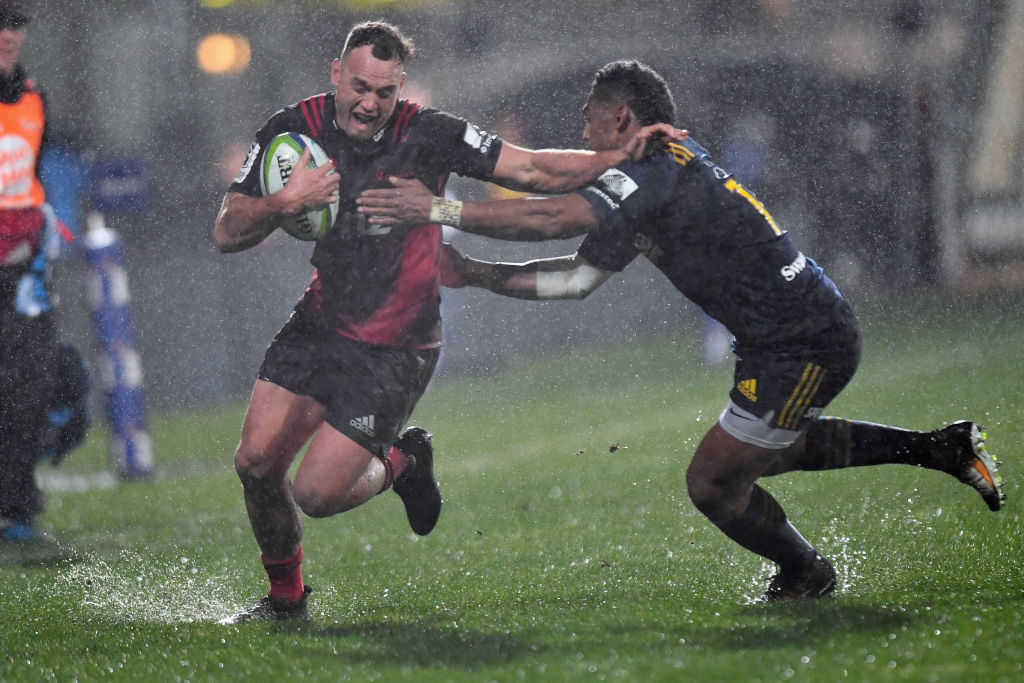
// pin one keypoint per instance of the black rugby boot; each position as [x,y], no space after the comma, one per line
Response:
[417,486]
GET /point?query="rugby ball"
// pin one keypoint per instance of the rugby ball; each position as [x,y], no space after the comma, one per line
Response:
[279,160]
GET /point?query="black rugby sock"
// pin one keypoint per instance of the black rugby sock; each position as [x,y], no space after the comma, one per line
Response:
[764,529]
[834,443]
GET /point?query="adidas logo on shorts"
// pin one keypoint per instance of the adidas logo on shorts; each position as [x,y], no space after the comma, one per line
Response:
[748,388]
[363,424]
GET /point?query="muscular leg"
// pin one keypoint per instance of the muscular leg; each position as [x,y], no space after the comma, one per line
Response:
[336,475]
[276,426]
[721,483]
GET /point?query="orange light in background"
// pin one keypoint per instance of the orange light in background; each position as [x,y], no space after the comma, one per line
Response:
[223,53]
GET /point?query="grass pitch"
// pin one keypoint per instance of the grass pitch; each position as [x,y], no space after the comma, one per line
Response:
[567,549]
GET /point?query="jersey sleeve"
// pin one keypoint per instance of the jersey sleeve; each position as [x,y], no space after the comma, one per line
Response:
[610,246]
[617,197]
[460,146]
[248,179]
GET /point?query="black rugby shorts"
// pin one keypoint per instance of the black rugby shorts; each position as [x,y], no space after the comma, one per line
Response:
[789,386]
[369,391]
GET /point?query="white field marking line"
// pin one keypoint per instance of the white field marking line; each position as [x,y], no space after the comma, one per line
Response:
[60,482]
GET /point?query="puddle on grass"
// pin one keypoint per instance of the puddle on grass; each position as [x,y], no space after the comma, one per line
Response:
[133,587]
[835,547]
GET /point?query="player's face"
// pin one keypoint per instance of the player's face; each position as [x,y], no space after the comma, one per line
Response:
[11,40]
[601,129]
[367,91]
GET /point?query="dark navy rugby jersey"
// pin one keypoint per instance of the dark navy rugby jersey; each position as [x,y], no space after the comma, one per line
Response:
[373,283]
[715,242]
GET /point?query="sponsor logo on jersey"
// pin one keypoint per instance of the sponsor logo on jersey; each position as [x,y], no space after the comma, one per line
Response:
[485,146]
[790,272]
[471,136]
[617,184]
[363,424]
[478,139]
[612,204]
[748,387]
[250,159]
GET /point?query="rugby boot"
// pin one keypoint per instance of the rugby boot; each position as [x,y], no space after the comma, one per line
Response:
[960,451]
[416,486]
[817,580]
[272,609]
[22,532]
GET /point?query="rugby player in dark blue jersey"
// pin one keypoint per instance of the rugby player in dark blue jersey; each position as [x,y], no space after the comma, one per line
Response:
[347,369]
[796,337]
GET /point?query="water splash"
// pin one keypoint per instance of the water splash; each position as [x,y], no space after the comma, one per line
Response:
[133,587]
[846,559]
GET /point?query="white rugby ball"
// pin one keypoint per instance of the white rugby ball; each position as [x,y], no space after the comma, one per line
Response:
[279,160]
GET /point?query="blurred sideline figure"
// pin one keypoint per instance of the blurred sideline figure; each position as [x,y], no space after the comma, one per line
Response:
[797,339]
[43,384]
[347,369]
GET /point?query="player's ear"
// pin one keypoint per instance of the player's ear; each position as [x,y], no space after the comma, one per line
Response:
[624,118]
[336,72]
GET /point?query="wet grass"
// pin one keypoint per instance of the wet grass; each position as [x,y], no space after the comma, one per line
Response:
[567,549]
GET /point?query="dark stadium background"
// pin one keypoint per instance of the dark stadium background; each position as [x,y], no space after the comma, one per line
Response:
[857,123]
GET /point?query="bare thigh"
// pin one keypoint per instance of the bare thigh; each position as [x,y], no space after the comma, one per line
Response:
[336,474]
[277,424]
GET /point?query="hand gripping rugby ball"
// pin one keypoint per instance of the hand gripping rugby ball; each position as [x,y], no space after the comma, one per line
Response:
[279,160]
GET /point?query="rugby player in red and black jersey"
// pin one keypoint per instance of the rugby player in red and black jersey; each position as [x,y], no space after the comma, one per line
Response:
[796,337]
[348,367]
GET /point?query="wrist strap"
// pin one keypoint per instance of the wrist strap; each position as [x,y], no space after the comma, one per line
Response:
[445,211]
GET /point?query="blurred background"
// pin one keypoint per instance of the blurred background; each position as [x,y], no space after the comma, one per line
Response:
[886,135]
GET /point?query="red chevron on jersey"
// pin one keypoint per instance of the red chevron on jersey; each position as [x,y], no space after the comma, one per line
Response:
[313,111]
[402,124]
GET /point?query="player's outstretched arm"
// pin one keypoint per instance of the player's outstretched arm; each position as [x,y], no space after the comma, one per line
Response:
[553,171]
[244,221]
[529,219]
[563,277]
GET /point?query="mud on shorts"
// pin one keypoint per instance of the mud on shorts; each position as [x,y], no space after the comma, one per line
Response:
[369,391]
[777,392]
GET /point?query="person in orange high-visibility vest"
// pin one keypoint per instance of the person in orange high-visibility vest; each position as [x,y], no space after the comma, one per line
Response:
[28,338]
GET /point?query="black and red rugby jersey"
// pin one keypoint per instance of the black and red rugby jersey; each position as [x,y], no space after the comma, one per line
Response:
[377,284]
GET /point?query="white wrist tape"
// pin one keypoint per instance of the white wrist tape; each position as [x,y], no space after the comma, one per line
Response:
[570,284]
[445,211]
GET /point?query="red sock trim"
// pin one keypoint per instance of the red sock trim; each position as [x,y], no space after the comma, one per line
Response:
[396,463]
[285,576]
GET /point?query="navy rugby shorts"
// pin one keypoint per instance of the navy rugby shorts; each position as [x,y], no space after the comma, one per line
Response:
[369,391]
[776,392]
